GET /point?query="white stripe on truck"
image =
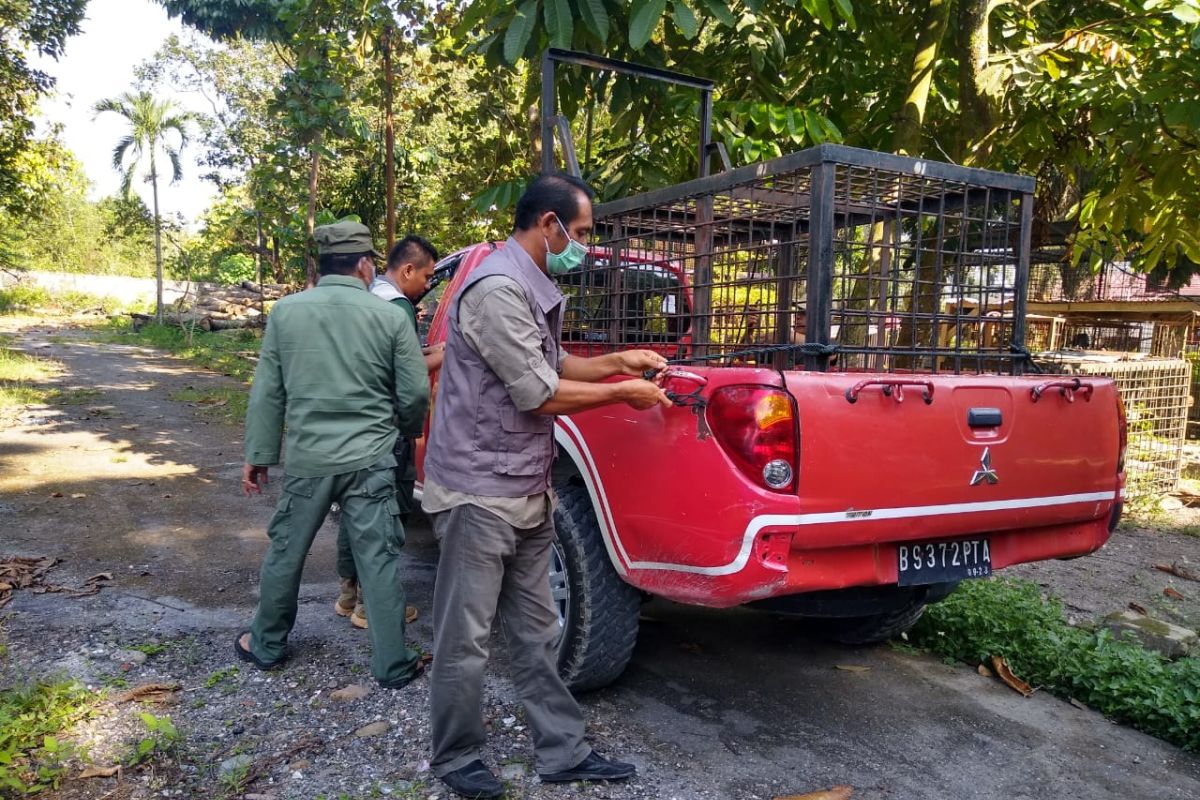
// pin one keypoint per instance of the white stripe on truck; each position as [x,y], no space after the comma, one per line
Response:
[572,441]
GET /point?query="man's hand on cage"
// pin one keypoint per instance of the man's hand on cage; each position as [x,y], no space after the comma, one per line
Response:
[638,362]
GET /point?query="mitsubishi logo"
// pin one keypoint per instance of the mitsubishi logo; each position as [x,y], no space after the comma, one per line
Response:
[985,473]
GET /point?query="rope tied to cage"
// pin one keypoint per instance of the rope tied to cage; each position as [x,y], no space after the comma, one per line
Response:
[1025,355]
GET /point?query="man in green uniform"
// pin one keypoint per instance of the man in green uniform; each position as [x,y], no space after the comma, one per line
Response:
[407,277]
[344,372]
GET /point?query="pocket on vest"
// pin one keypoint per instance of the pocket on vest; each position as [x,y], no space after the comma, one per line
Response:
[527,445]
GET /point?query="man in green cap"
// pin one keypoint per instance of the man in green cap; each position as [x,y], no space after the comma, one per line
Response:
[344,372]
[405,281]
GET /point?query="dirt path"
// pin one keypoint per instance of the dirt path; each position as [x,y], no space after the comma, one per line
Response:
[716,705]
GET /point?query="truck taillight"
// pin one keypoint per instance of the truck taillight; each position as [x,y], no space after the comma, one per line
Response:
[1122,435]
[756,426]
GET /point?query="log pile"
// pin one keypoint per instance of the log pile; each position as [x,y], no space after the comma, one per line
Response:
[219,308]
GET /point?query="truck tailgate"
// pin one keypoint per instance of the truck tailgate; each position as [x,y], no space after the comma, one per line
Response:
[951,456]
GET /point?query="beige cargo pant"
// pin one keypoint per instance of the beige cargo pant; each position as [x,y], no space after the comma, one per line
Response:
[486,565]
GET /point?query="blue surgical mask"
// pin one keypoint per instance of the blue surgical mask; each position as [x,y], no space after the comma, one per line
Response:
[570,258]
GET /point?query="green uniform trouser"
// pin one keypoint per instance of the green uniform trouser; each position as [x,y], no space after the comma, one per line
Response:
[371,521]
[406,481]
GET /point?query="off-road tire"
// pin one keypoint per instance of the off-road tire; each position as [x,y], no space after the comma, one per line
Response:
[874,628]
[602,616]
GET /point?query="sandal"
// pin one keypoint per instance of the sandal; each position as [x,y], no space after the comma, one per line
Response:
[246,655]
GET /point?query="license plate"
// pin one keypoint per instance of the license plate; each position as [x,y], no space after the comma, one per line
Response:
[940,562]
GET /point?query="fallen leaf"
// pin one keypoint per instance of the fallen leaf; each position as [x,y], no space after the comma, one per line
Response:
[1173,593]
[832,793]
[100,576]
[56,494]
[984,671]
[1006,674]
[159,693]
[347,694]
[1179,571]
[78,496]
[1078,704]
[852,668]
[100,772]
[1139,609]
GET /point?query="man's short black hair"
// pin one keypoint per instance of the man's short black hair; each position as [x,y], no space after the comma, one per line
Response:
[339,263]
[412,249]
[557,192]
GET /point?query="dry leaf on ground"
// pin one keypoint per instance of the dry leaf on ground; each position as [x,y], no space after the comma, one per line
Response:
[852,668]
[1006,674]
[159,693]
[832,793]
[100,772]
[983,670]
[1138,608]
[1179,571]
[1173,593]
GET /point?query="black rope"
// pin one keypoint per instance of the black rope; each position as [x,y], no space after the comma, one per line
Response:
[1026,356]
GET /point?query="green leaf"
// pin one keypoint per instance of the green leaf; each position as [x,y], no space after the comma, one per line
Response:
[1186,14]
[559,24]
[643,21]
[595,17]
[519,30]
[823,12]
[685,20]
[812,124]
[720,10]
[847,11]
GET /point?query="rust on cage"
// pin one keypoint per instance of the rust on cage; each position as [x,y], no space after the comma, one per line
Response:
[831,258]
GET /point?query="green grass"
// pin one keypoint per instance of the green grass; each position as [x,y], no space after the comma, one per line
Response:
[32,718]
[224,402]
[222,351]
[1126,682]
[26,299]
[22,378]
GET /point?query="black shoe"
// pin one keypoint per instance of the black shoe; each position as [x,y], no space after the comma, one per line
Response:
[593,768]
[474,781]
[400,683]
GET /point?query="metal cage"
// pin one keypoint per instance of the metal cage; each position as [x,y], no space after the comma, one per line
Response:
[831,257]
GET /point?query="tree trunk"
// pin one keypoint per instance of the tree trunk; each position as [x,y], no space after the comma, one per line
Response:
[976,111]
[310,219]
[906,140]
[389,141]
[907,137]
[158,270]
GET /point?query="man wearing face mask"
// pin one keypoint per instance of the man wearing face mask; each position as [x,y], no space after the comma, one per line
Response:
[342,371]
[487,485]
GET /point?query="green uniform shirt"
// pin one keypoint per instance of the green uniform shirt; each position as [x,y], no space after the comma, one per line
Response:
[342,369]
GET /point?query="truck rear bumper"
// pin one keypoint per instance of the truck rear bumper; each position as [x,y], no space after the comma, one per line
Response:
[780,563]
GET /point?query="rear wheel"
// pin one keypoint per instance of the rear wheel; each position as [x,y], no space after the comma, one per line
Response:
[874,628]
[597,610]
[887,623]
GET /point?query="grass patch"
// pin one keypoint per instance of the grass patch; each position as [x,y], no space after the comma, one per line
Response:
[1120,678]
[26,298]
[225,402]
[32,718]
[221,351]
[22,378]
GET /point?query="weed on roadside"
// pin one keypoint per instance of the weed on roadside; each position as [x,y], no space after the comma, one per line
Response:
[151,649]
[219,676]
[160,739]
[23,377]
[33,718]
[1119,678]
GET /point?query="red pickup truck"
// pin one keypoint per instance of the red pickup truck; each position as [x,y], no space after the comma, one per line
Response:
[852,463]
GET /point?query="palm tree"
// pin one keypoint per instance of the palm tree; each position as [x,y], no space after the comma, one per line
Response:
[150,122]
